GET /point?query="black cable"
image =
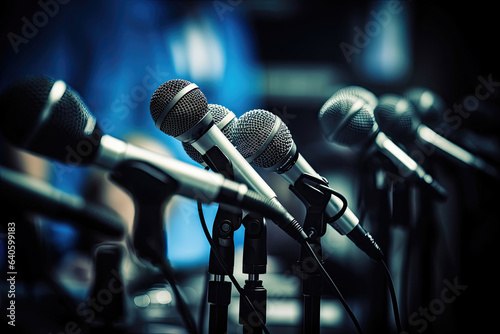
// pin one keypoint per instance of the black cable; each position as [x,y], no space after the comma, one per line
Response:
[332,283]
[224,266]
[318,262]
[386,269]
[387,272]
[393,297]
[308,248]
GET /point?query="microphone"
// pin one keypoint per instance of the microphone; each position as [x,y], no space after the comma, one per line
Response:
[180,110]
[265,141]
[225,121]
[39,196]
[348,120]
[428,105]
[398,118]
[47,117]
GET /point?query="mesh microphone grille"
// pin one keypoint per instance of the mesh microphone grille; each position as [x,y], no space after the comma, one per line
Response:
[186,113]
[70,114]
[64,130]
[218,114]
[192,153]
[333,112]
[359,91]
[229,129]
[21,104]
[358,128]
[394,116]
[277,148]
[428,105]
[253,129]
[342,125]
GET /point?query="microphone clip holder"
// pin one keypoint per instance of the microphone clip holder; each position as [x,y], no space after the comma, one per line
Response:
[254,258]
[149,196]
[254,264]
[219,290]
[307,189]
[150,187]
[226,221]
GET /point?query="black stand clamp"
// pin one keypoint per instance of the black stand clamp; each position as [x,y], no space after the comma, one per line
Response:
[226,222]
[150,187]
[254,259]
[306,189]
[254,264]
[219,290]
[111,317]
[149,195]
[148,238]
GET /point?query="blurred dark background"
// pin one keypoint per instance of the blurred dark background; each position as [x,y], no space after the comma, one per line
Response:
[288,57]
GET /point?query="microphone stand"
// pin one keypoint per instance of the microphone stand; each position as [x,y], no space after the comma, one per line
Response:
[254,259]
[150,187]
[402,218]
[254,264]
[379,178]
[226,221]
[315,227]
[219,290]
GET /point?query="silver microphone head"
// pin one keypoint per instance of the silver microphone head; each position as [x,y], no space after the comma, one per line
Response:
[347,119]
[262,138]
[358,91]
[177,106]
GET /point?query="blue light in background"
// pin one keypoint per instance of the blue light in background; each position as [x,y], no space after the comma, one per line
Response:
[219,56]
[387,57]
